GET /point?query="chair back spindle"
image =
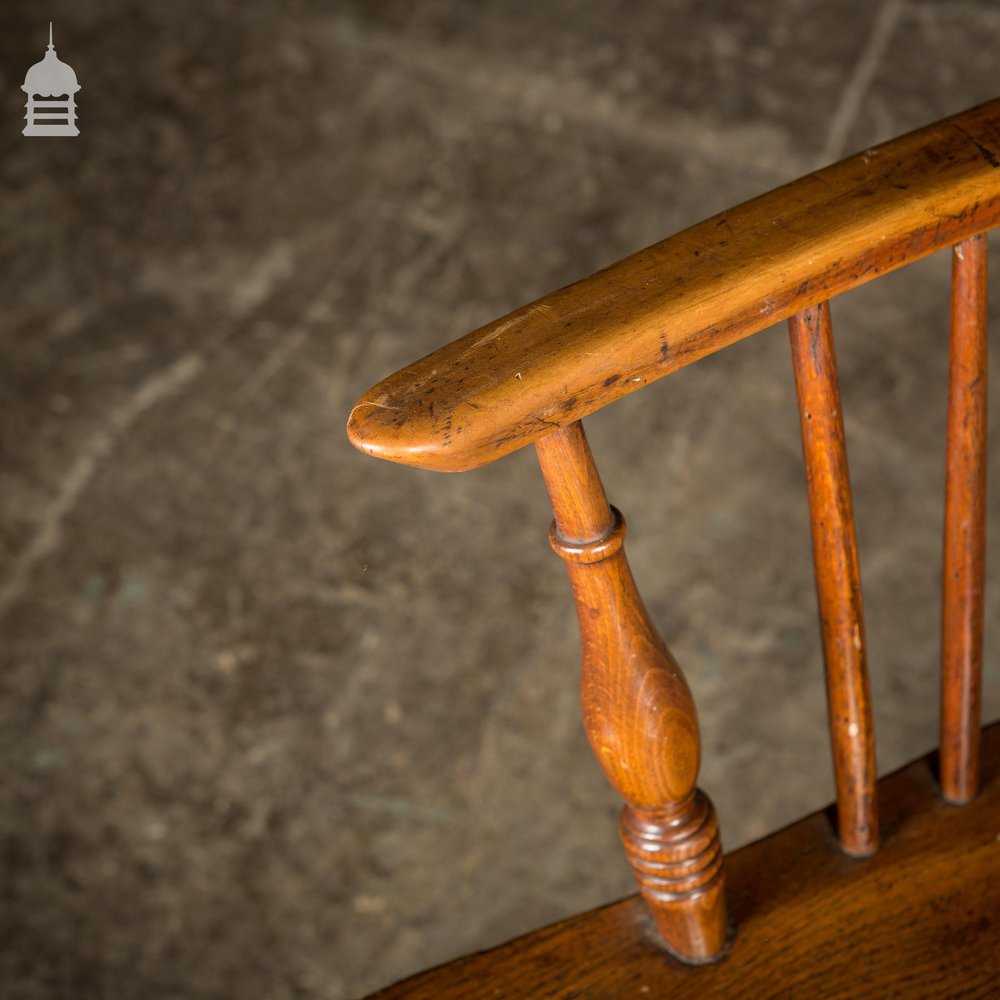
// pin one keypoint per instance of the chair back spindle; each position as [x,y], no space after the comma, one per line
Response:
[838,580]
[964,524]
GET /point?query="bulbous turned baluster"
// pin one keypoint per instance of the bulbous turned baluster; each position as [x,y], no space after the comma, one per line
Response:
[637,710]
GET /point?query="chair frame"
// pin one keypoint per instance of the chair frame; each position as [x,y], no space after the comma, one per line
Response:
[530,377]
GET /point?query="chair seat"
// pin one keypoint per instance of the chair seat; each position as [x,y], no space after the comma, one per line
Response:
[921,918]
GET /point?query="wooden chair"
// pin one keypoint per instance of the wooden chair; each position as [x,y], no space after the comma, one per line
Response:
[906,902]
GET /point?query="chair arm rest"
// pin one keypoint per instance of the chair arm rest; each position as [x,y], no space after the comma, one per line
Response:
[578,349]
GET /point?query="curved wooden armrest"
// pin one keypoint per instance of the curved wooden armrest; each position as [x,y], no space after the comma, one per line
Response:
[578,349]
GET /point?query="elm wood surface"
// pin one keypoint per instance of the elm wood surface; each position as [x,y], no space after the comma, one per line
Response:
[637,710]
[838,579]
[964,524]
[579,348]
[921,918]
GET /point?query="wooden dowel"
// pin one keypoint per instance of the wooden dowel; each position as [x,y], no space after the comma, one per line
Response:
[637,710]
[838,581]
[964,525]
[580,505]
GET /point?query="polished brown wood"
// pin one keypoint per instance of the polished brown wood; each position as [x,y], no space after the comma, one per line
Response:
[637,710]
[964,525]
[920,919]
[838,579]
[578,349]
[814,921]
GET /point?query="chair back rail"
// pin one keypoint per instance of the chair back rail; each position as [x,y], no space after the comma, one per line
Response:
[531,376]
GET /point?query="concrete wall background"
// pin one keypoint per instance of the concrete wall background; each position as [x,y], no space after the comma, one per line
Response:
[280,721]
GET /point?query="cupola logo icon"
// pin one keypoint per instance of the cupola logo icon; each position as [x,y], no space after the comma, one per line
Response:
[50,86]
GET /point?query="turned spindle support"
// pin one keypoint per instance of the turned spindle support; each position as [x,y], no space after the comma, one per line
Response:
[637,710]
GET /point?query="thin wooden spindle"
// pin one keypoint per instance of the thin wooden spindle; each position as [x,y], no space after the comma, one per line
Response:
[838,581]
[964,525]
[637,710]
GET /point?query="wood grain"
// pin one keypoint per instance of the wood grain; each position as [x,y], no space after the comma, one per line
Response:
[920,919]
[637,710]
[838,578]
[964,525]
[580,348]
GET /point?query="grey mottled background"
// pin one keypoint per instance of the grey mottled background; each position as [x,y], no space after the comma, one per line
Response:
[277,720]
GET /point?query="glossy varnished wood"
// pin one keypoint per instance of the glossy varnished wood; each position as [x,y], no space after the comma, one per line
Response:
[920,919]
[964,525]
[838,578]
[578,349]
[637,710]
